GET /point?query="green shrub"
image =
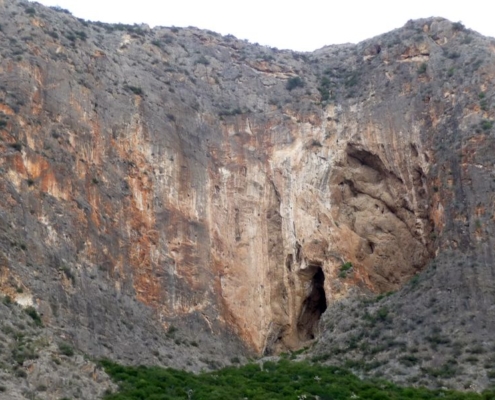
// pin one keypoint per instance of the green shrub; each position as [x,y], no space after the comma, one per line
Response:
[60,10]
[448,370]
[414,281]
[273,380]
[422,68]
[66,349]
[346,266]
[476,350]
[31,311]
[53,34]
[486,125]
[384,295]
[134,89]
[294,82]
[437,339]
[41,388]
[71,37]
[22,353]
[324,89]
[409,360]
[202,60]
[235,111]
[382,314]
[20,373]
[345,269]
[81,35]
[352,80]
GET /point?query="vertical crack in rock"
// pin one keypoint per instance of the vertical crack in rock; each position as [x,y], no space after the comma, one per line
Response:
[314,304]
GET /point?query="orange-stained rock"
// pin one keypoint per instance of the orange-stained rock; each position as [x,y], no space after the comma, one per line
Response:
[180,169]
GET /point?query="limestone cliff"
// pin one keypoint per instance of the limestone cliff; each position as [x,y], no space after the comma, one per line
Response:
[159,177]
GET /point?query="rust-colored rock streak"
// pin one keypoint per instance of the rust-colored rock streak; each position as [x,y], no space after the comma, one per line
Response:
[204,186]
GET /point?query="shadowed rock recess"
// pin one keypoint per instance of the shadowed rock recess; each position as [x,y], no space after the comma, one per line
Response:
[176,197]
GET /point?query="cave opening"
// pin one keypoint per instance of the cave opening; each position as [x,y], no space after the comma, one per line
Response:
[314,305]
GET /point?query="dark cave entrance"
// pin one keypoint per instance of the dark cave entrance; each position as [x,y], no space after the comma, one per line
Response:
[314,305]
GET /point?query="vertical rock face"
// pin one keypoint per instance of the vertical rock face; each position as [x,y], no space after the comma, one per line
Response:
[174,176]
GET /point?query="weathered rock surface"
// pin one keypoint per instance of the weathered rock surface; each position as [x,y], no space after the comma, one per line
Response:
[36,363]
[172,177]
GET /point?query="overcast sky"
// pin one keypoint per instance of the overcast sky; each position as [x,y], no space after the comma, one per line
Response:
[298,25]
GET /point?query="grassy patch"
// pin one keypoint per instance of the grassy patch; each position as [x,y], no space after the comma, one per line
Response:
[345,269]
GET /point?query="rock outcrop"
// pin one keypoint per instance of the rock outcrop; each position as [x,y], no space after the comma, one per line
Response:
[174,177]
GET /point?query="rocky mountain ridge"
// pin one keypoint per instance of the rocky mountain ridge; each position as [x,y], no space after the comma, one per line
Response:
[170,180]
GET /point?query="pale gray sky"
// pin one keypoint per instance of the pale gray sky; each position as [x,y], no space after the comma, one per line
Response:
[297,25]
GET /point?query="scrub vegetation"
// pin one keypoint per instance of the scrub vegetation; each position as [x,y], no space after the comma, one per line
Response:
[269,380]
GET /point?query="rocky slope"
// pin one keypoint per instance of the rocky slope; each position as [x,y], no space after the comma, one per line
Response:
[36,362]
[174,180]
